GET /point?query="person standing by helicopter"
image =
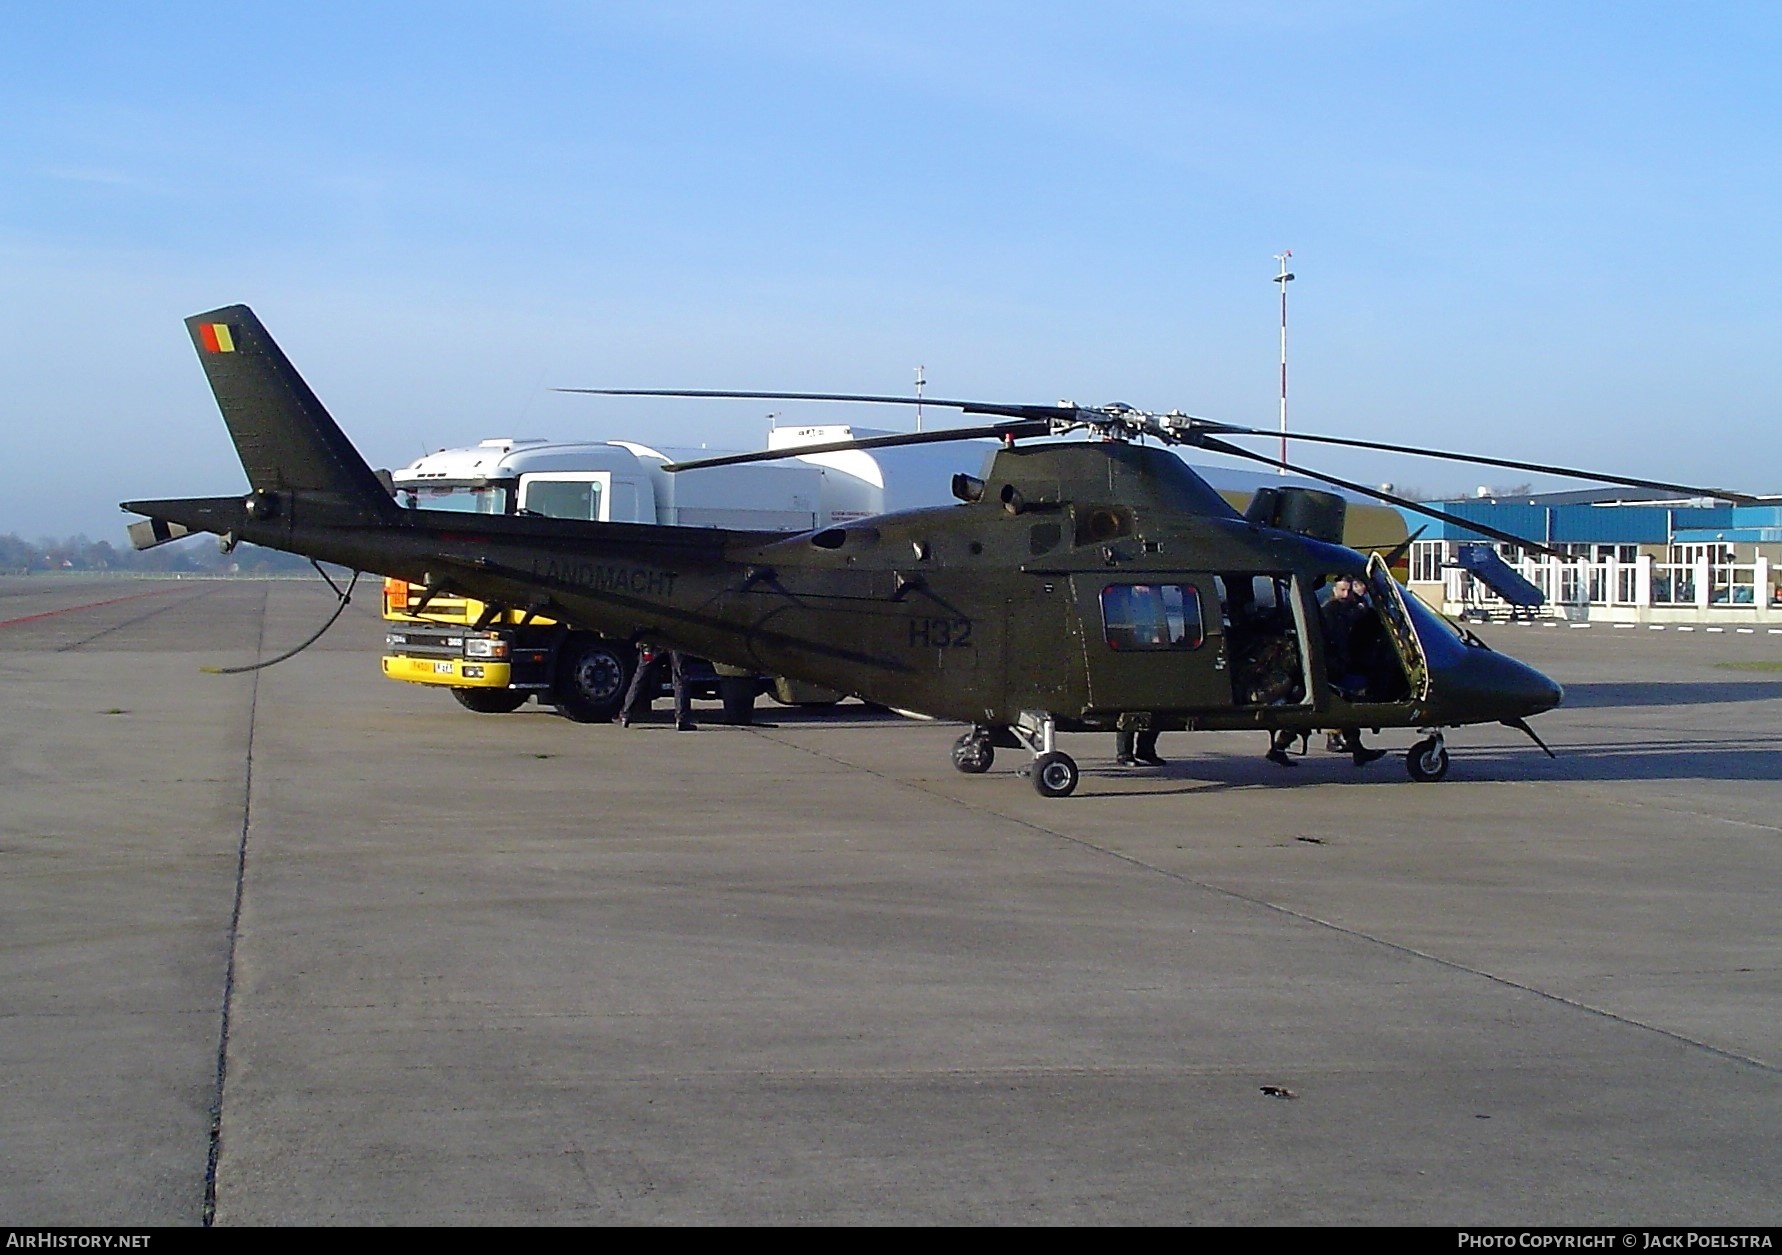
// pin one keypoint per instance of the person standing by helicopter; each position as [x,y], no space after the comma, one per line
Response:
[647,678]
[1340,615]
[1279,741]
[1137,748]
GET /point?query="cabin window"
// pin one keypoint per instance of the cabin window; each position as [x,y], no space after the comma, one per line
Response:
[1102,523]
[1151,616]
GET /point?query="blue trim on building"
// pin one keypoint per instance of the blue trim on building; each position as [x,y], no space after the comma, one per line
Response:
[1728,535]
[1604,524]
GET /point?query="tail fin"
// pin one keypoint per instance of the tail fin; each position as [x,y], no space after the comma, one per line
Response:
[283,434]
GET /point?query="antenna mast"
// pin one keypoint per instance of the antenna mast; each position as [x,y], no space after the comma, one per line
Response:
[1284,278]
[921,379]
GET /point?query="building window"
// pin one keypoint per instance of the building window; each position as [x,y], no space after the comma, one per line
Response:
[1716,554]
[1427,557]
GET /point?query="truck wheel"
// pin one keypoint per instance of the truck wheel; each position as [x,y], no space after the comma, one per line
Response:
[591,679]
[489,701]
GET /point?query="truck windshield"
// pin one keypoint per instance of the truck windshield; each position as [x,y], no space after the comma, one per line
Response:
[463,498]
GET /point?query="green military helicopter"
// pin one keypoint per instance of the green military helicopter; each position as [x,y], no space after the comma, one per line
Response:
[1086,585]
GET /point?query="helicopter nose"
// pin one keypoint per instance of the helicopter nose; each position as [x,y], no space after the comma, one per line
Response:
[1539,691]
[1485,685]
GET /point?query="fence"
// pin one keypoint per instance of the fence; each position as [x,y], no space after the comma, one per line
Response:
[1584,589]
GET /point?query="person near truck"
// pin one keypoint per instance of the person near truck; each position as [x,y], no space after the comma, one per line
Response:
[647,679]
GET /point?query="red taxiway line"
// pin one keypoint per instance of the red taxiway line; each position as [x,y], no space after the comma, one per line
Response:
[91,605]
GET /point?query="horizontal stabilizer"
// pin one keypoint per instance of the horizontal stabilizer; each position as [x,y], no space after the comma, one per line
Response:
[173,517]
[151,532]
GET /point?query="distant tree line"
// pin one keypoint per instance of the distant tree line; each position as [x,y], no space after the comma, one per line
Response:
[77,553]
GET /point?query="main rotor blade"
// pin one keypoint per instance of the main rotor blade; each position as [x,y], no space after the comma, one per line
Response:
[1045,412]
[1485,529]
[1225,429]
[998,431]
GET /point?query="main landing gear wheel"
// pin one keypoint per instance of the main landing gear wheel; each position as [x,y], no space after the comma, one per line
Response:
[591,680]
[490,701]
[973,754]
[1427,760]
[1055,775]
[737,692]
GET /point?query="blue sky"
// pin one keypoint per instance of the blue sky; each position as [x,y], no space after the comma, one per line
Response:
[1533,230]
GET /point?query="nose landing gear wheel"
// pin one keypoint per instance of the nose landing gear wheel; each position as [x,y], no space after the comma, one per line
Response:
[973,754]
[1427,760]
[1054,775]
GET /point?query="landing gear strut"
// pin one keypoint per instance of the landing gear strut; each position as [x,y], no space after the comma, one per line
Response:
[1054,772]
[1055,775]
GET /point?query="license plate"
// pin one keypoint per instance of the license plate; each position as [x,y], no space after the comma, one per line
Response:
[442,668]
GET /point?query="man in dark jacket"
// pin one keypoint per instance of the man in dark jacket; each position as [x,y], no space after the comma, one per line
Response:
[1340,614]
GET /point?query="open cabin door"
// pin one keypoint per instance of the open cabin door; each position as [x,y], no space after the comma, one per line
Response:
[1268,620]
[1390,604]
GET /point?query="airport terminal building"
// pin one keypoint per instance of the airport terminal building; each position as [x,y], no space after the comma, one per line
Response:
[1634,559]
